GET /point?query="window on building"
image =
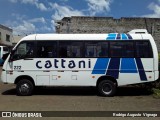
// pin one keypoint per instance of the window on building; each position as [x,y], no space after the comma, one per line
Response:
[46,49]
[96,49]
[69,49]
[122,49]
[143,49]
[8,38]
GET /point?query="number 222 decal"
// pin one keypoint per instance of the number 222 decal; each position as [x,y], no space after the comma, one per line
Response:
[17,67]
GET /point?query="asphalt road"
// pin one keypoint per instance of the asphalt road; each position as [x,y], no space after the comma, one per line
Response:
[77,99]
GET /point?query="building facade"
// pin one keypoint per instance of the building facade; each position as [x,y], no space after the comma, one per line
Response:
[5,36]
[109,25]
[16,39]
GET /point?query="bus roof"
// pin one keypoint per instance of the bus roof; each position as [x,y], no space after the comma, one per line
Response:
[134,34]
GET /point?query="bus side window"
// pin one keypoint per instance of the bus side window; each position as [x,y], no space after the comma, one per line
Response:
[42,51]
[122,49]
[90,49]
[102,49]
[70,49]
[63,52]
[96,49]
[46,49]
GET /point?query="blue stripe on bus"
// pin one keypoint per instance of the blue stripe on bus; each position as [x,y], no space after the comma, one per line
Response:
[114,36]
[124,36]
[100,66]
[141,69]
[128,65]
[118,37]
[113,68]
[111,36]
[129,36]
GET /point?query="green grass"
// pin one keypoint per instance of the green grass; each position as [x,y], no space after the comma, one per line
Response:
[156,93]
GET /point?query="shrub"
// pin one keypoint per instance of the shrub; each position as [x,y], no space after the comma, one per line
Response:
[156,93]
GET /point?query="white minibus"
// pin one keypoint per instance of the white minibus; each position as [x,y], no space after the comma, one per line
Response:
[104,61]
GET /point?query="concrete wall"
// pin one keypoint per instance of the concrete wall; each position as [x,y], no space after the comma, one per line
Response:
[4,31]
[108,25]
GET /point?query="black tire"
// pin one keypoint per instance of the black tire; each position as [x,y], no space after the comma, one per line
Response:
[107,88]
[24,87]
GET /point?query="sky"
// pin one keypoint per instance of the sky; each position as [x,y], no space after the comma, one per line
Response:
[39,16]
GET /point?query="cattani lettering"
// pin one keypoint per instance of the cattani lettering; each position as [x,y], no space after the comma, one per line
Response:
[62,63]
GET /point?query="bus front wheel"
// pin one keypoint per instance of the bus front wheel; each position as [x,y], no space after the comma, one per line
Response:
[24,87]
[107,88]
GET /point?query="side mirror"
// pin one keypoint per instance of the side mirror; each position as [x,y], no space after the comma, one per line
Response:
[12,51]
[11,55]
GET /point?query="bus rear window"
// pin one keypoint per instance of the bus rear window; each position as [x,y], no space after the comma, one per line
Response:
[143,49]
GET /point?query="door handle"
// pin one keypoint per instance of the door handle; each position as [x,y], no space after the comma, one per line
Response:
[20,71]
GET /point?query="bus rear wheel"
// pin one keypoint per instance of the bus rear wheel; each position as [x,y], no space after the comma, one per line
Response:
[24,87]
[107,88]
